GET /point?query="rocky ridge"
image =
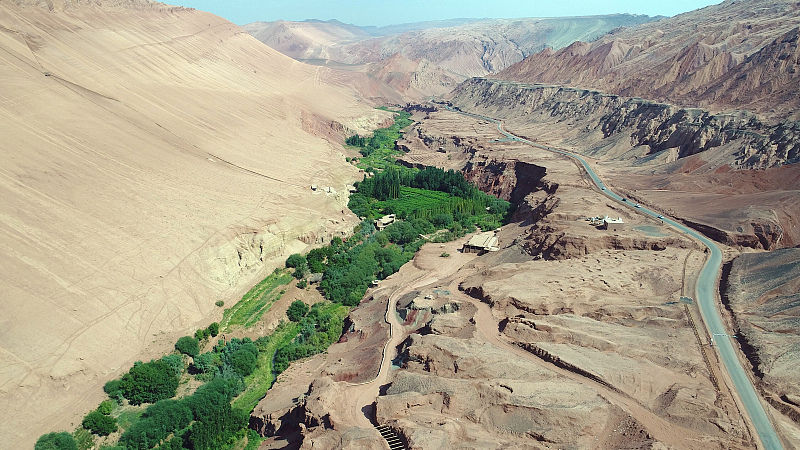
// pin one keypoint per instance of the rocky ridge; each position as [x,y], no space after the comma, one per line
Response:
[430,58]
[731,56]
[659,131]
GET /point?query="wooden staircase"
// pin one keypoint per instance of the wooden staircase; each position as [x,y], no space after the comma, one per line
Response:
[391,438]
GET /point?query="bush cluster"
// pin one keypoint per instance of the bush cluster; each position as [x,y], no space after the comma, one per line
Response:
[319,328]
[146,382]
[297,310]
[56,441]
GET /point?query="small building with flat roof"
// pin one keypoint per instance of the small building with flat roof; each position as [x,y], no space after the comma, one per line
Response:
[612,224]
[482,242]
[385,221]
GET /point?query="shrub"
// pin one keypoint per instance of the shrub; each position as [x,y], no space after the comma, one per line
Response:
[219,303]
[201,334]
[157,422]
[106,407]
[113,389]
[99,423]
[213,329]
[297,310]
[149,382]
[56,441]
[302,284]
[188,346]
[175,362]
[296,260]
[445,255]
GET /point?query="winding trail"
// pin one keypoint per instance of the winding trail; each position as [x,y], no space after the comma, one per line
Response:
[357,399]
[706,294]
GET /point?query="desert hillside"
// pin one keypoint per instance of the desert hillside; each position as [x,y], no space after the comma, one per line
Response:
[735,55]
[434,58]
[149,156]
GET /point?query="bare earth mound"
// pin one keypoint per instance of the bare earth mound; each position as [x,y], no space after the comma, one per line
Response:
[149,156]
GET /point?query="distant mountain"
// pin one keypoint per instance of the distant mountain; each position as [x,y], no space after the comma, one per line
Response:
[735,55]
[457,48]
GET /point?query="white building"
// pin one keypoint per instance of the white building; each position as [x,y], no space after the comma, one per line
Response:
[611,224]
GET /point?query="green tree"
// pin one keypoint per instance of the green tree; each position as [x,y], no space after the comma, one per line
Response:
[149,382]
[296,311]
[106,407]
[113,389]
[296,260]
[213,329]
[99,424]
[56,441]
[188,346]
[201,334]
[206,363]
[158,421]
[244,362]
[175,361]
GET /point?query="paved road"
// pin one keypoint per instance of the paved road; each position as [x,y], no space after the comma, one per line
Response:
[706,293]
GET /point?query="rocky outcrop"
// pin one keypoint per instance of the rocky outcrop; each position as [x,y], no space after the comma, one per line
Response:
[656,126]
[547,241]
[763,235]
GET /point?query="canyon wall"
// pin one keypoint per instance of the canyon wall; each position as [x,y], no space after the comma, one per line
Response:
[748,142]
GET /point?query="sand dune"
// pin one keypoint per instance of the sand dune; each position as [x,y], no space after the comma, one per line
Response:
[149,155]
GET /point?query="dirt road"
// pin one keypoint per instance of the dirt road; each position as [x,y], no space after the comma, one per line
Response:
[428,267]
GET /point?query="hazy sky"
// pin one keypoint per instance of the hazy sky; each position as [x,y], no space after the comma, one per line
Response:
[390,12]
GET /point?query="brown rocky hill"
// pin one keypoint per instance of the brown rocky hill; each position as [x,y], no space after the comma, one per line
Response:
[150,155]
[439,57]
[735,55]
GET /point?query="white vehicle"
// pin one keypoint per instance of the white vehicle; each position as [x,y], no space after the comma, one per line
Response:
[638,205]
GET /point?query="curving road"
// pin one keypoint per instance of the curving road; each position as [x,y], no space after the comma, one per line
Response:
[706,294]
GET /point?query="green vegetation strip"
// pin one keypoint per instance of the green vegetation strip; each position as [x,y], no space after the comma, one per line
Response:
[247,311]
[259,382]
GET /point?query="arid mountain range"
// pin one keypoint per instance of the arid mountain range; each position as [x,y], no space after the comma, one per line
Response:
[149,153]
[740,55]
[433,59]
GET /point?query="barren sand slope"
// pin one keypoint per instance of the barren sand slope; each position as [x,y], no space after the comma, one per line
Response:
[155,160]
